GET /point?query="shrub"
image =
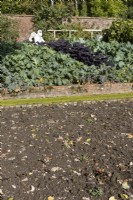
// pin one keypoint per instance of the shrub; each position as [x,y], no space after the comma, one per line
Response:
[8,48]
[9,29]
[121,30]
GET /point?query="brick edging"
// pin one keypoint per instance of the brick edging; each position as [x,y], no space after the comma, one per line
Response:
[54,91]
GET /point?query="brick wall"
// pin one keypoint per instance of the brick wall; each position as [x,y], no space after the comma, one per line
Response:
[94,22]
[87,89]
[26,25]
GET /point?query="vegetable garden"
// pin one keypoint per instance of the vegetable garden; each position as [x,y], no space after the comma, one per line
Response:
[64,62]
[76,151]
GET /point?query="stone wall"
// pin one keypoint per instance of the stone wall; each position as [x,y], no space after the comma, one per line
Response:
[26,25]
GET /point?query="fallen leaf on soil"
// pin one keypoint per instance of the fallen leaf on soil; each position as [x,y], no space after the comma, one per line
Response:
[79,139]
[1,192]
[81,125]
[50,198]
[75,172]
[112,198]
[33,135]
[54,169]
[25,179]
[32,188]
[88,140]
[33,130]
[66,144]
[14,186]
[130,136]
[10,199]
[70,142]
[125,185]
[124,196]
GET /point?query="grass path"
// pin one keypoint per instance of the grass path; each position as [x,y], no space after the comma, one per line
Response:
[64,99]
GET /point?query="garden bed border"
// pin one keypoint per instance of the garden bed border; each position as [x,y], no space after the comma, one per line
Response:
[72,90]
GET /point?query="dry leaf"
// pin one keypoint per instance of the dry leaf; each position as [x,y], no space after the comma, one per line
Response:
[50,198]
[1,192]
[79,139]
[125,185]
[32,188]
[54,169]
[130,136]
[70,142]
[112,198]
[17,89]
[33,135]
[88,140]
[124,196]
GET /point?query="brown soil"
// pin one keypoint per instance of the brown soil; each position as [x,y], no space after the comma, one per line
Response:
[76,151]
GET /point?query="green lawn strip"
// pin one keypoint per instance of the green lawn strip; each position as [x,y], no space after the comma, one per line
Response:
[64,99]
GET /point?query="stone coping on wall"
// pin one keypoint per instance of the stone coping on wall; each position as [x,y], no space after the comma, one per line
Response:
[73,17]
[72,90]
[81,17]
[13,15]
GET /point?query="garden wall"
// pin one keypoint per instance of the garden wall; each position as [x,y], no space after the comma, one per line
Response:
[25,23]
[87,89]
[94,22]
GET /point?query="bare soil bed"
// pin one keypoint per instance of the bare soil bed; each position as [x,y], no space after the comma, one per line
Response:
[73,151]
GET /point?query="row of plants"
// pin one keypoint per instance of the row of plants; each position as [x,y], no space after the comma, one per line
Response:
[80,52]
[33,65]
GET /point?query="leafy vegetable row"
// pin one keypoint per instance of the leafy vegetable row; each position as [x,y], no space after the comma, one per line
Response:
[28,65]
[80,52]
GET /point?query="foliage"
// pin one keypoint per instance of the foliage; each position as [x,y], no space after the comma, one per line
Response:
[121,30]
[129,13]
[121,55]
[9,29]
[83,9]
[16,7]
[80,52]
[8,48]
[33,65]
[46,18]
[96,192]
[117,51]
[96,8]
[105,8]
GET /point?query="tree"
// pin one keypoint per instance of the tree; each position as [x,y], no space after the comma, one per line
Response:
[97,8]
[106,8]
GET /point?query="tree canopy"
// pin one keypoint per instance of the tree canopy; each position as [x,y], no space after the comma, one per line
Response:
[98,8]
